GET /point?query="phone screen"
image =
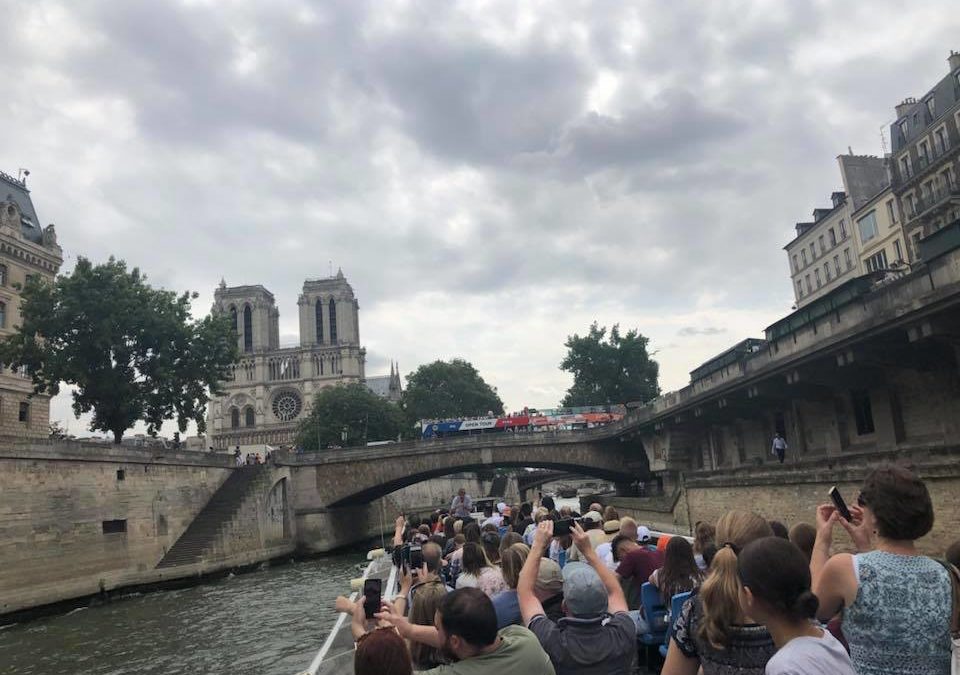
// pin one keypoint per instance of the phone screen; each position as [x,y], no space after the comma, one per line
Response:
[562,527]
[838,502]
[371,596]
[416,557]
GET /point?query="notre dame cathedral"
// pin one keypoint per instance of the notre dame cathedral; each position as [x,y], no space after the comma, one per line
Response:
[272,386]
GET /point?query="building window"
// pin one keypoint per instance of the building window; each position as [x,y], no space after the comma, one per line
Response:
[333,321]
[813,252]
[24,415]
[799,289]
[234,418]
[836,264]
[287,406]
[911,209]
[318,317]
[867,226]
[905,171]
[862,411]
[803,256]
[796,266]
[903,127]
[941,142]
[809,286]
[3,315]
[898,250]
[233,317]
[847,258]
[832,234]
[3,275]
[877,262]
[843,230]
[114,526]
[931,107]
[826,270]
[823,248]
[121,474]
[816,275]
[923,151]
[891,212]
[247,329]
[249,417]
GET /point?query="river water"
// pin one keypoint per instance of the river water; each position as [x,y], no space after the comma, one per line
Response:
[269,622]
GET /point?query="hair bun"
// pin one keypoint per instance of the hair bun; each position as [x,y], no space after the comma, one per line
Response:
[806,605]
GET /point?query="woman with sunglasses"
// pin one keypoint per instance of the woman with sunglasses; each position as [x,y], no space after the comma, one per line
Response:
[896,603]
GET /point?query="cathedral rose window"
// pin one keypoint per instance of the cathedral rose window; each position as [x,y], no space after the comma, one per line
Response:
[287,406]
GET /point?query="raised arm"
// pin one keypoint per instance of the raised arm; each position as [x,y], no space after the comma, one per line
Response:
[616,602]
[529,604]
[427,635]
[398,526]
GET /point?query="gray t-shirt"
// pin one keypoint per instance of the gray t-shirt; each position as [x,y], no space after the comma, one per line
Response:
[588,647]
[811,656]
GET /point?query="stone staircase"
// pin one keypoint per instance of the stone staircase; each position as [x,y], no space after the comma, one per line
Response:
[498,487]
[217,514]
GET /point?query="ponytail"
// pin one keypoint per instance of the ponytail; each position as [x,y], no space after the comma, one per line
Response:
[720,593]
[720,596]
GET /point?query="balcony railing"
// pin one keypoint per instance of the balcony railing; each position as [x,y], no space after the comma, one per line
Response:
[930,203]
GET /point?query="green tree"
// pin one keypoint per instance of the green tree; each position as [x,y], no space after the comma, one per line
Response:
[615,370]
[133,352]
[449,389]
[349,409]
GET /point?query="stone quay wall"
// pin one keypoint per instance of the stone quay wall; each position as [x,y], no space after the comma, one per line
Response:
[78,520]
[791,493]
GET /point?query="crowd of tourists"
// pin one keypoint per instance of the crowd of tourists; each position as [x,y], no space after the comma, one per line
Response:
[516,591]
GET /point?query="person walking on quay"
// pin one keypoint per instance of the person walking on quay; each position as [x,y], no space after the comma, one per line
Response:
[462,505]
[779,447]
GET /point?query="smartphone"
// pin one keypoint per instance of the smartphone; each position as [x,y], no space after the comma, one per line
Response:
[562,527]
[840,505]
[416,558]
[372,589]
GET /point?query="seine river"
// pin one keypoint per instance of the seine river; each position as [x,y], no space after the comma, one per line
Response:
[269,622]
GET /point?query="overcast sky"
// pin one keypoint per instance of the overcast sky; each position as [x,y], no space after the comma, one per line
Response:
[491,176]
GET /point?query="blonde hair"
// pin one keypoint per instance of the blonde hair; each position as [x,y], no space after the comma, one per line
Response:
[457,526]
[512,562]
[426,602]
[720,593]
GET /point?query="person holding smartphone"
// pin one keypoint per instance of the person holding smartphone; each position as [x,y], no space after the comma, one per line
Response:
[896,602]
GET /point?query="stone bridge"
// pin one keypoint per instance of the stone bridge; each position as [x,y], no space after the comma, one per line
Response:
[353,477]
[334,490]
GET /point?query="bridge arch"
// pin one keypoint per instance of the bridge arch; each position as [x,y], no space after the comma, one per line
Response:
[359,476]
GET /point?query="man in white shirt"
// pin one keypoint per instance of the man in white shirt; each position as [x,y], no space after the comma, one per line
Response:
[462,505]
[779,447]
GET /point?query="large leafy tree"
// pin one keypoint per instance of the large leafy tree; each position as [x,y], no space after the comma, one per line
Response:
[605,370]
[444,389]
[349,414]
[133,352]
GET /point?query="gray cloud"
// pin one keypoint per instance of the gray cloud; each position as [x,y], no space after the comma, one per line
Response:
[690,331]
[491,180]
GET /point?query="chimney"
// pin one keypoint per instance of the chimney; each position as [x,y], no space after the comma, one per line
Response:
[905,105]
[954,60]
